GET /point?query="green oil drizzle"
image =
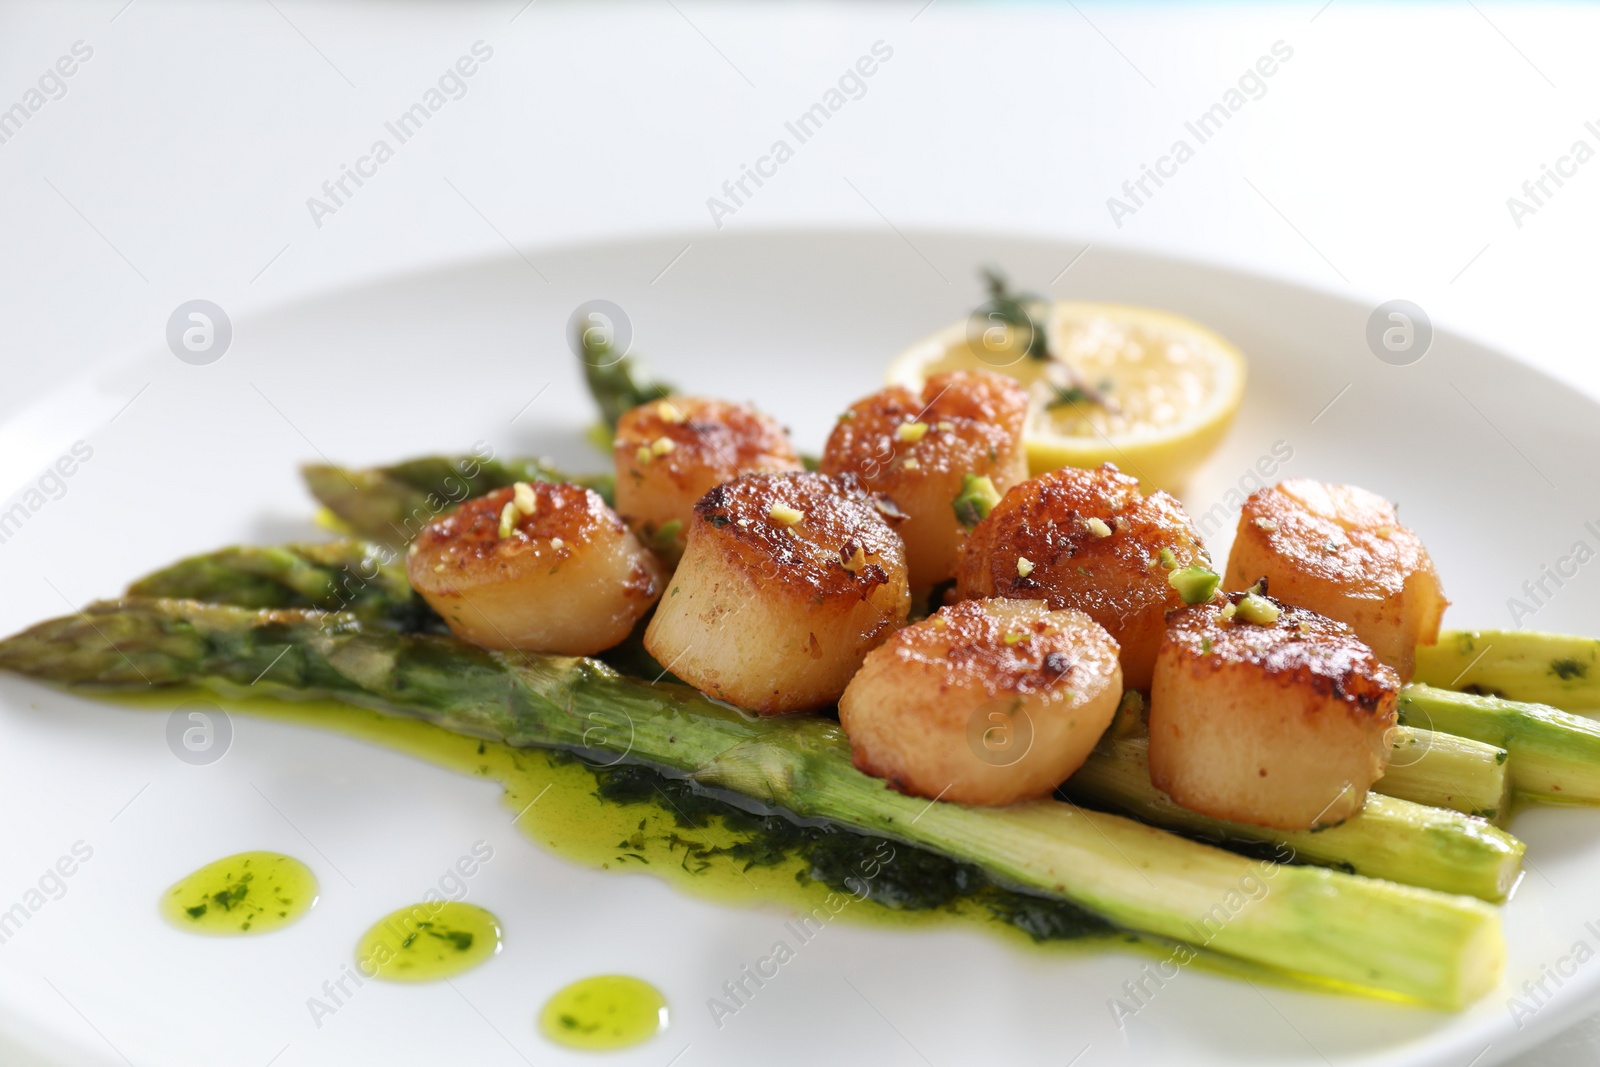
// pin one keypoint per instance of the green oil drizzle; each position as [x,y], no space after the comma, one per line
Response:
[428,941]
[606,1012]
[629,819]
[249,893]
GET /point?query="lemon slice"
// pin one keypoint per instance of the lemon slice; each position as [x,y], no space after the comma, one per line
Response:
[1170,386]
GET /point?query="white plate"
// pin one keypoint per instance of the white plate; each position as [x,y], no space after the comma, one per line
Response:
[1473,445]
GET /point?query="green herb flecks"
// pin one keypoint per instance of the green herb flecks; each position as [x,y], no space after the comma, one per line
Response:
[913,880]
[1568,669]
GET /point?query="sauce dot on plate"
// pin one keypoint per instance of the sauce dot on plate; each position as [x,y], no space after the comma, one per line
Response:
[248,893]
[608,1011]
[428,941]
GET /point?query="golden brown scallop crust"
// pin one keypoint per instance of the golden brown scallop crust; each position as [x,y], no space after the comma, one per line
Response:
[974,422]
[1301,649]
[923,711]
[967,647]
[711,442]
[1359,542]
[465,548]
[841,544]
[1117,579]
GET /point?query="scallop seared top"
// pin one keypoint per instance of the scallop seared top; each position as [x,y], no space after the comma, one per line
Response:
[698,442]
[1338,533]
[963,422]
[1298,648]
[552,520]
[1085,539]
[1000,647]
[801,533]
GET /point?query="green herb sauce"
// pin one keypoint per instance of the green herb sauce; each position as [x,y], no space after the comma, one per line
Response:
[428,941]
[632,818]
[606,1012]
[249,893]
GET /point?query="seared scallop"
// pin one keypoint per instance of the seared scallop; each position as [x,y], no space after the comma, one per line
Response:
[1088,539]
[669,452]
[1268,714]
[983,702]
[923,450]
[539,566]
[1342,552]
[786,583]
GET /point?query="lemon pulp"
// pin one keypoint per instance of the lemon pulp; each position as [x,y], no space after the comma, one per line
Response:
[1171,386]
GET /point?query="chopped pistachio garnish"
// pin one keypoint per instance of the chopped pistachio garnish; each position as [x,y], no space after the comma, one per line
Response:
[1269,525]
[643,455]
[666,537]
[1228,612]
[1014,637]
[911,464]
[662,445]
[847,416]
[910,432]
[1024,566]
[1303,626]
[508,518]
[1098,528]
[945,426]
[522,496]
[667,411]
[1168,560]
[1194,583]
[784,514]
[1257,609]
[1205,646]
[557,544]
[977,498]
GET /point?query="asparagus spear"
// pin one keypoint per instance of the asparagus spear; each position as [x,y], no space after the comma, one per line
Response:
[1393,839]
[1443,770]
[618,382]
[1553,669]
[1433,769]
[362,577]
[392,504]
[1430,768]
[1439,949]
[1405,842]
[1554,754]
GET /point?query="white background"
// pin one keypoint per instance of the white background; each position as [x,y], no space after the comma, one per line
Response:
[1377,164]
